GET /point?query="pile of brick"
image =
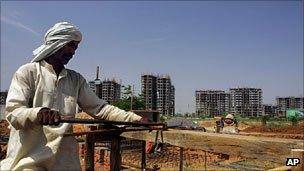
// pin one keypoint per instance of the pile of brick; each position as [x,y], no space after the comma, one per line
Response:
[168,159]
[101,158]
[4,131]
[4,134]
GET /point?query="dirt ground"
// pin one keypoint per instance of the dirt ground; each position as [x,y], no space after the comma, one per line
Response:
[256,127]
[168,159]
[193,159]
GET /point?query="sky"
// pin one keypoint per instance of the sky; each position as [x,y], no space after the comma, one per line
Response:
[201,45]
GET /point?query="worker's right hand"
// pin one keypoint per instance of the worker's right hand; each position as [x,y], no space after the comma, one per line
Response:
[46,116]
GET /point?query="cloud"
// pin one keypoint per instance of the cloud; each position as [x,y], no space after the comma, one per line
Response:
[18,25]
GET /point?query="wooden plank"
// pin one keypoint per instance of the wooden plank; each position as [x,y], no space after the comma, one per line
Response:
[181,158]
[298,153]
[282,168]
[89,156]
[143,155]
[115,155]
[264,148]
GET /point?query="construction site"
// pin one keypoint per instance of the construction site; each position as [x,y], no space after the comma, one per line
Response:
[182,145]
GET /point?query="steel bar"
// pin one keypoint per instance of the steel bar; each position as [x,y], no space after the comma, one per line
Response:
[93,121]
[88,132]
[106,131]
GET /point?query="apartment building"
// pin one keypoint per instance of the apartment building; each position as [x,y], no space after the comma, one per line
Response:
[3,96]
[285,103]
[212,102]
[158,93]
[108,90]
[149,91]
[164,95]
[96,85]
[246,101]
[111,90]
[269,110]
[172,100]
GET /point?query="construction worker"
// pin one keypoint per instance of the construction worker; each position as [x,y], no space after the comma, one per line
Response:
[41,93]
[226,122]
[231,121]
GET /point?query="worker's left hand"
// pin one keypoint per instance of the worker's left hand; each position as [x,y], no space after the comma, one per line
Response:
[143,120]
[46,116]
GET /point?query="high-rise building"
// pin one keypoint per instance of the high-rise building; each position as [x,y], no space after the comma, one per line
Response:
[164,95]
[212,102]
[158,93]
[111,90]
[285,103]
[149,91]
[269,110]
[3,96]
[172,100]
[246,101]
[96,85]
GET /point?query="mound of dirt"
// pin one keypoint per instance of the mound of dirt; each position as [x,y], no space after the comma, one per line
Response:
[286,129]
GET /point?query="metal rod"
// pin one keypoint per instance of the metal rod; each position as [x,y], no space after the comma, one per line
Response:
[93,121]
[106,131]
[87,132]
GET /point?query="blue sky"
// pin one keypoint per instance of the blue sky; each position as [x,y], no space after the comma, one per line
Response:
[200,44]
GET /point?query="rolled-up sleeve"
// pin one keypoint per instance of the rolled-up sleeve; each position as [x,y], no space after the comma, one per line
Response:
[98,108]
[19,113]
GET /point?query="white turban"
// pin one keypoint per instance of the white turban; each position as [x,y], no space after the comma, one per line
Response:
[55,38]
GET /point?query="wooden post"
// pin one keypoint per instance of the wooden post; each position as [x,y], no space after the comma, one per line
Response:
[115,155]
[298,153]
[143,155]
[89,157]
[181,158]
[205,160]
[101,155]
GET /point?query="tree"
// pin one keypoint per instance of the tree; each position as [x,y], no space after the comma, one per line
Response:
[294,120]
[125,102]
[264,120]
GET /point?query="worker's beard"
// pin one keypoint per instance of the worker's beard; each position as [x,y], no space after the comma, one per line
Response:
[66,58]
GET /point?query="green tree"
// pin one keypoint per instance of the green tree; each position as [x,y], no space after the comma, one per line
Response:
[264,120]
[294,120]
[125,101]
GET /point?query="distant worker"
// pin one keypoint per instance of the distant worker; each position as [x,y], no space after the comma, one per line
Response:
[229,120]
[41,93]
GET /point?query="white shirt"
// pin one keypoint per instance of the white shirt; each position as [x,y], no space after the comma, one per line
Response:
[36,147]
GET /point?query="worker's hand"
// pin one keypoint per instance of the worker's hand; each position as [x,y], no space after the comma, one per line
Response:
[144,120]
[46,116]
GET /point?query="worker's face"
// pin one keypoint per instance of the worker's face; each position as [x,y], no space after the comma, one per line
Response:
[66,53]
